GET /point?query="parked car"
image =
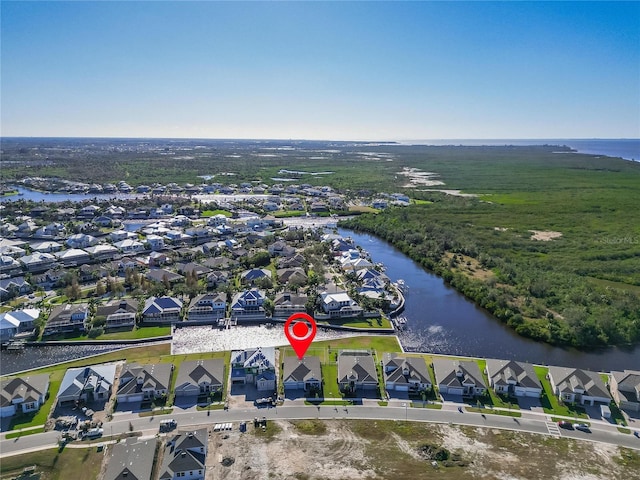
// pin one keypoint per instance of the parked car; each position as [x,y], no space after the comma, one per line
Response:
[582,426]
[168,425]
[93,433]
[637,433]
[567,425]
[264,401]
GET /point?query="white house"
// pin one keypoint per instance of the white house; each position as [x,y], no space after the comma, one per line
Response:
[339,305]
[12,323]
[129,246]
[185,456]
[254,367]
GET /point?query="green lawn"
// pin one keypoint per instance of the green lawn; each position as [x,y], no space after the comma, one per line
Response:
[330,389]
[495,399]
[550,402]
[363,323]
[135,334]
[80,463]
[211,213]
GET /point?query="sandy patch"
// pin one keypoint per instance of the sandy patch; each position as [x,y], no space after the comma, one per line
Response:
[418,177]
[544,235]
[500,229]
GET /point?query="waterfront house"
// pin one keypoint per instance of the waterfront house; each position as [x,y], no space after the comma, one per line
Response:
[67,318]
[139,383]
[357,371]
[405,374]
[24,394]
[339,305]
[459,377]
[248,304]
[200,377]
[185,456]
[87,384]
[509,377]
[288,303]
[131,459]
[625,389]
[120,313]
[208,307]
[161,310]
[254,366]
[17,321]
[574,385]
[305,374]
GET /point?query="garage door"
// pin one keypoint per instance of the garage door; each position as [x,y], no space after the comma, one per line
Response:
[134,398]
[402,388]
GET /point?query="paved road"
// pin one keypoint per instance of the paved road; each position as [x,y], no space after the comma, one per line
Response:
[122,423]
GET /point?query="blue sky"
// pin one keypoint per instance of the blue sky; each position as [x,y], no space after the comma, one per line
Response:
[315,70]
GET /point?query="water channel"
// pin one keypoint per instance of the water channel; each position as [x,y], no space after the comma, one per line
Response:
[440,320]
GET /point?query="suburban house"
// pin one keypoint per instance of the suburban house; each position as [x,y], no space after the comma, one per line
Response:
[23,394]
[129,246]
[459,377]
[119,313]
[294,275]
[48,246]
[73,257]
[18,321]
[11,287]
[81,240]
[208,307]
[574,385]
[37,262]
[200,377]
[405,374]
[288,303]
[131,459]
[87,384]
[339,305]
[161,310]
[625,389]
[102,251]
[156,242]
[185,456]
[254,367]
[281,249]
[356,371]
[144,382]
[249,277]
[67,318]
[217,278]
[302,374]
[248,304]
[7,264]
[509,377]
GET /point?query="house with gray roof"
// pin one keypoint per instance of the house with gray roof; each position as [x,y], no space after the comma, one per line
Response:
[208,307]
[144,382]
[288,303]
[305,374]
[509,377]
[131,459]
[459,377]
[88,384]
[574,385]
[248,305]
[357,371]
[11,287]
[405,374]
[23,394]
[200,377]
[185,456]
[66,318]
[255,366]
[119,313]
[625,389]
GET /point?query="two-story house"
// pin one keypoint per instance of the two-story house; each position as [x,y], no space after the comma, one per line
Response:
[254,367]
[207,307]
[185,456]
[161,310]
[339,305]
[67,318]
[625,389]
[405,374]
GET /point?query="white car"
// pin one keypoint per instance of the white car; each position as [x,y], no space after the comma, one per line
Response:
[93,433]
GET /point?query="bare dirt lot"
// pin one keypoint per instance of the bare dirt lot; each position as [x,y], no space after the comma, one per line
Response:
[313,450]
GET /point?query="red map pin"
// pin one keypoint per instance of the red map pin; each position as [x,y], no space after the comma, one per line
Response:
[299,334]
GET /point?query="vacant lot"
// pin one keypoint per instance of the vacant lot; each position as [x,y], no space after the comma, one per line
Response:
[312,449]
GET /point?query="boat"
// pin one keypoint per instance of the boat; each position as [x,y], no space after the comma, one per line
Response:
[401,285]
[400,323]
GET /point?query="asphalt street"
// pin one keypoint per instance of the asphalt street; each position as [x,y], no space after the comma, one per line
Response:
[126,422]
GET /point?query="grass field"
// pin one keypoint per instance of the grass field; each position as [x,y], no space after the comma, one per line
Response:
[79,463]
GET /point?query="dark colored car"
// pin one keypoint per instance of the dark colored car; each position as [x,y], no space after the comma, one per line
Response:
[637,433]
[567,425]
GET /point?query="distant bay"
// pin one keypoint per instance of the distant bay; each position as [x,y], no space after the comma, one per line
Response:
[627,148]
